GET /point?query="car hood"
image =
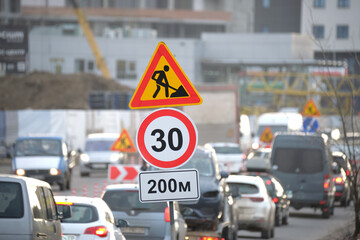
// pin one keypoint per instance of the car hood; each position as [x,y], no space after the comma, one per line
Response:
[37,162]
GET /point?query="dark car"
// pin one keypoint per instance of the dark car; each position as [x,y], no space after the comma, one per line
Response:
[215,203]
[342,185]
[278,195]
[302,162]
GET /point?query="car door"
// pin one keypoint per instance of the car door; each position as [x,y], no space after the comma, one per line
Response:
[46,223]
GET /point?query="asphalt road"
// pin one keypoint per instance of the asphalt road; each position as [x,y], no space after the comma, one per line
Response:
[303,224]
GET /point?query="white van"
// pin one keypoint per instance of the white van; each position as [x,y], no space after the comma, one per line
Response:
[28,210]
[45,158]
[278,122]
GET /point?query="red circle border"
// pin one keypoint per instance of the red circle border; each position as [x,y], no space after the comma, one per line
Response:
[192,138]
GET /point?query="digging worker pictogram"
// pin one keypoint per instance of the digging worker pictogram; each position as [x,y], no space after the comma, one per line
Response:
[159,81]
[162,81]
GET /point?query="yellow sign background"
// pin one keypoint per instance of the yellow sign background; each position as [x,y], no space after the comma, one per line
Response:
[172,78]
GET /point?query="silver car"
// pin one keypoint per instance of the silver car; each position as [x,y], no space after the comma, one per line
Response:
[142,220]
[97,155]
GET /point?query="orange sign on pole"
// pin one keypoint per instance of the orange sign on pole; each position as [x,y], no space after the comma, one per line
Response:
[123,143]
[267,135]
[310,109]
[164,83]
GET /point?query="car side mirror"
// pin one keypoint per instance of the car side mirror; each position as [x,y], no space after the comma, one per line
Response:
[64,211]
[122,223]
[224,174]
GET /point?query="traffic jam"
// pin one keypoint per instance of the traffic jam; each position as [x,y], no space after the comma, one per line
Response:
[182,189]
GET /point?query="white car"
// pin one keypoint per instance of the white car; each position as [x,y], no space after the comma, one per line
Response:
[259,160]
[253,207]
[229,155]
[97,155]
[91,219]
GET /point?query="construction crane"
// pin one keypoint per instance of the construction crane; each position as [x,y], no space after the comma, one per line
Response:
[100,62]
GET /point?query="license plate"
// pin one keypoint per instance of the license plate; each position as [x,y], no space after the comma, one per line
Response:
[69,237]
[99,165]
[41,177]
[138,230]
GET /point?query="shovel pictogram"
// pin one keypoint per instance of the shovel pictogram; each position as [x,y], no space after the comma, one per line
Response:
[161,81]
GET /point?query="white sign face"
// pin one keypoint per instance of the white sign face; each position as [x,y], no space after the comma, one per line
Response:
[170,185]
[167,138]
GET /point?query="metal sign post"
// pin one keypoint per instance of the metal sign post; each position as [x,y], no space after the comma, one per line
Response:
[172,222]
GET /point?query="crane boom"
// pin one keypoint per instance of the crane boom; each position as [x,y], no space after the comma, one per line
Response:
[100,62]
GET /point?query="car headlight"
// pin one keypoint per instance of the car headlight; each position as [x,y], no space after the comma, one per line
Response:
[54,171]
[84,157]
[115,157]
[20,172]
[255,145]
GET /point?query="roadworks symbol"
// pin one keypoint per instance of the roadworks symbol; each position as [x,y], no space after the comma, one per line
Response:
[267,135]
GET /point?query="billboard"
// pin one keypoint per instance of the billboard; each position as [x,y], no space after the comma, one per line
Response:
[13,49]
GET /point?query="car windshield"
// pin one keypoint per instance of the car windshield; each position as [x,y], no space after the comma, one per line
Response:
[227,150]
[126,200]
[81,213]
[99,145]
[237,189]
[274,129]
[11,200]
[202,162]
[298,160]
[38,147]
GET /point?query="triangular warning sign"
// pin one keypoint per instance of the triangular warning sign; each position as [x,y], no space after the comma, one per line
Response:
[267,135]
[123,143]
[164,83]
[310,109]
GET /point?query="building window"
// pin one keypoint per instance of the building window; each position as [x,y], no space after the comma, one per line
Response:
[319,3]
[343,3]
[126,70]
[79,65]
[342,32]
[266,3]
[90,66]
[318,31]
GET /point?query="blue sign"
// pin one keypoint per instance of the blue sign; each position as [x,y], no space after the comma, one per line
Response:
[310,125]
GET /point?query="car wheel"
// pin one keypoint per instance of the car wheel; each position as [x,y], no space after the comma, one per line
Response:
[285,219]
[84,174]
[227,234]
[266,234]
[68,182]
[326,214]
[278,218]
[272,232]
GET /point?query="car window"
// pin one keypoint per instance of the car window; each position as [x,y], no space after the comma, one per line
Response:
[129,200]
[227,150]
[99,145]
[298,160]
[11,199]
[81,213]
[237,189]
[41,197]
[50,204]
[278,187]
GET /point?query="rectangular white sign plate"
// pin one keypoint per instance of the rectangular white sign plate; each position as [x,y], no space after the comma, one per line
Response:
[169,185]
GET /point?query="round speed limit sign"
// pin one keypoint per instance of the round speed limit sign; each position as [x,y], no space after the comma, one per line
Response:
[167,138]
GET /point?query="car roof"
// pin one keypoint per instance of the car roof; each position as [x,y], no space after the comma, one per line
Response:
[244,179]
[28,180]
[103,136]
[222,144]
[41,137]
[79,199]
[122,186]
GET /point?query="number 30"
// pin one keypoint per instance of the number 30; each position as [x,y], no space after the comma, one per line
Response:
[160,139]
